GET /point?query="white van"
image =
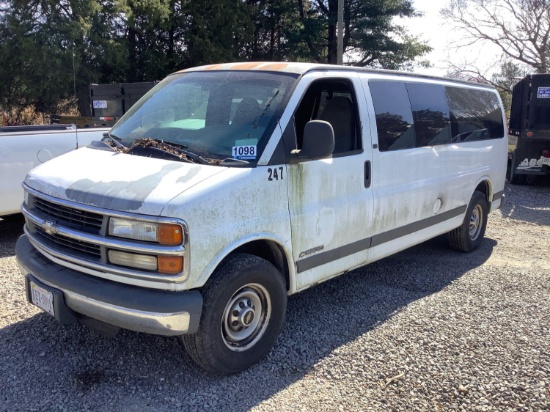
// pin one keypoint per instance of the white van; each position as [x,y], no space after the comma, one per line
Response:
[228,187]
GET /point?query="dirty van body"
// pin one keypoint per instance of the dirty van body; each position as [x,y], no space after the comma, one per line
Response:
[229,187]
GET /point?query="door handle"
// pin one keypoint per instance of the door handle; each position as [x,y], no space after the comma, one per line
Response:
[367,174]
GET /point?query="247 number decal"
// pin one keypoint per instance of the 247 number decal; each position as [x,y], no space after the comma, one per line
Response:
[275,174]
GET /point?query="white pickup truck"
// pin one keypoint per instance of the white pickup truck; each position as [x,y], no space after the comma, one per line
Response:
[25,147]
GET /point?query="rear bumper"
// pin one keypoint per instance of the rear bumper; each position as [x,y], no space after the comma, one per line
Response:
[130,307]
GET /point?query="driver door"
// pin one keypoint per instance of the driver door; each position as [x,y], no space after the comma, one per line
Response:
[330,201]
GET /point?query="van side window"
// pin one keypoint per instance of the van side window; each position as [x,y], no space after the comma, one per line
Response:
[475,115]
[334,102]
[430,114]
[394,119]
[412,115]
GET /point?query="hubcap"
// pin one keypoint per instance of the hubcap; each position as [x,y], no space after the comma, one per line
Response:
[246,317]
[476,222]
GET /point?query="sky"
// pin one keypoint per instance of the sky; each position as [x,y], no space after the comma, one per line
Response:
[441,36]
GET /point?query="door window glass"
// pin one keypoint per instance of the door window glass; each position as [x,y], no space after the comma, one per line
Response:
[394,119]
[332,101]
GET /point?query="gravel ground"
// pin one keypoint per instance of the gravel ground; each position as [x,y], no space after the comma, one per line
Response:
[428,329]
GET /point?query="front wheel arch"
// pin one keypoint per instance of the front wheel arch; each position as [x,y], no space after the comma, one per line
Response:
[263,245]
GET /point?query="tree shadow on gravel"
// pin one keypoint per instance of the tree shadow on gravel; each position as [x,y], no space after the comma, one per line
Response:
[47,366]
[528,203]
[11,227]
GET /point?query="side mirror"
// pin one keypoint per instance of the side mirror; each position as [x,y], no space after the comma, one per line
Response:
[318,141]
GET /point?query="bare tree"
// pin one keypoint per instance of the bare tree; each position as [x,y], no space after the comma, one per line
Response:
[508,74]
[519,28]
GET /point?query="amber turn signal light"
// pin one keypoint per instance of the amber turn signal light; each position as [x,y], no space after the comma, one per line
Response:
[170,265]
[170,234]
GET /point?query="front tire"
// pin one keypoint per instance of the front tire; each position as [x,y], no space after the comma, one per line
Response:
[468,236]
[243,313]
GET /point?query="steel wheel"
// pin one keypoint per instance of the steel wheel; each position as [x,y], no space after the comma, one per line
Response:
[243,312]
[476,222]
[246,317]
[469,235]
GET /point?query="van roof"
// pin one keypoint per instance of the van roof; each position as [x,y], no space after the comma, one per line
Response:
[302,68]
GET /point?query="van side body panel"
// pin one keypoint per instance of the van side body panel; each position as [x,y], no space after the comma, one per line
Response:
[423,192]
[416,194]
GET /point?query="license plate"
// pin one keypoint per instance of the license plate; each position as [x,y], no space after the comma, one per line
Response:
[42,298]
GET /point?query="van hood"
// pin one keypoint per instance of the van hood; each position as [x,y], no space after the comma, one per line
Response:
[117,181]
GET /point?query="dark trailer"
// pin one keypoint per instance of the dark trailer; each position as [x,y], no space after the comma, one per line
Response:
[530,129]
[107,103]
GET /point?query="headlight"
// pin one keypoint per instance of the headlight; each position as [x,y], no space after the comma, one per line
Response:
[163,233]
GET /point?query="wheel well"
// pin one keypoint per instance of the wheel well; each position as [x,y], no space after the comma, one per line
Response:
[484,187]
[271,252]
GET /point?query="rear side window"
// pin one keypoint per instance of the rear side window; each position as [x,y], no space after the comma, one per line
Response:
[475,114]
[412,115]
[394,119]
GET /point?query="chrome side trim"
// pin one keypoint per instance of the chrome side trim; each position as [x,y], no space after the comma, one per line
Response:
[108,272]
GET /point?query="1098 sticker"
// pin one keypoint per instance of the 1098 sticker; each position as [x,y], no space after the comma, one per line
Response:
[244,152]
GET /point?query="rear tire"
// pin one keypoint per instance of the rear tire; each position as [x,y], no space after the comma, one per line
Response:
[243,313]
[468,236]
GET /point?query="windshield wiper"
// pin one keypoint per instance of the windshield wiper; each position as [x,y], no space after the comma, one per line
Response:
[183,149]
[173,144]
[170,148]
[234,162]
[115,139]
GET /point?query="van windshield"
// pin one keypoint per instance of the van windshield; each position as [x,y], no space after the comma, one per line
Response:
[221,118]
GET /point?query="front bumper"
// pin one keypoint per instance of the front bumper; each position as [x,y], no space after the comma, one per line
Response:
[130,307]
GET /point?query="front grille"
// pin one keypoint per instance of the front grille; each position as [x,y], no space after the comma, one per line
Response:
[73,244]
[76,217]
[74,235]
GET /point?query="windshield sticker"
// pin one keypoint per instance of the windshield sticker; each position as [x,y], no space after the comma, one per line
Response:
[246,142]
[244,152]
[543,93]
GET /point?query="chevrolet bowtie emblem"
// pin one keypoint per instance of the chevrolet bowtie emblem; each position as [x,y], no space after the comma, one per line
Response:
[50,227]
